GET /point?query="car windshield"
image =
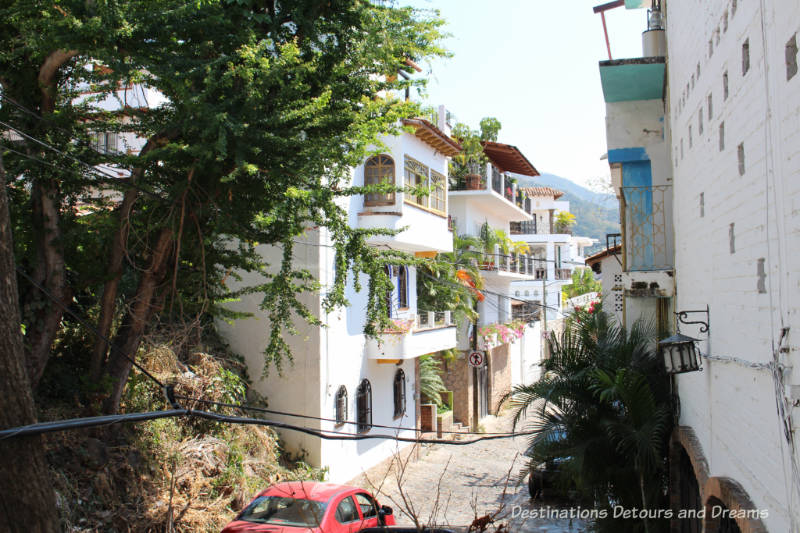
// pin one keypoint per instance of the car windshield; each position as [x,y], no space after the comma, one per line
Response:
[284,511]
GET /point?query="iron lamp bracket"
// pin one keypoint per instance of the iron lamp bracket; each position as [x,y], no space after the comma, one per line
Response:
[683,315]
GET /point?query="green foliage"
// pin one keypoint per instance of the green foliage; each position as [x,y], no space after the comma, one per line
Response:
[430,379]
[602,409]
[582,282]
[490,128]
[441,281]
[471,159]
[563,222]
[267,107]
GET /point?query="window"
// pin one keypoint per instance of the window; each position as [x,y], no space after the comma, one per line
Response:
[368,506]
[379,169]
[419,175]
[740,156]
[702,204]
[105,142]
[745,56]
[700,121]
[364,406]
[389,292]
[402,287]
[399,393]
[710,108]
[725,85]
[341,405]
[791,57]
[721,136]
[346,511]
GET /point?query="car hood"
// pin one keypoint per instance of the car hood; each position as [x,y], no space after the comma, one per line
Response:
[242,526]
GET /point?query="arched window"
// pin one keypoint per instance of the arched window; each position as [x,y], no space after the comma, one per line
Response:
[341,405]
[364,406]
[379,169]
[399,393]
[402,287]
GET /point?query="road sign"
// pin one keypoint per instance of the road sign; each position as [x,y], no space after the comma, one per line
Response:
[475,359]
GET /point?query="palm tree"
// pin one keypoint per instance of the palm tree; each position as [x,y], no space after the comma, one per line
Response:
[602,411]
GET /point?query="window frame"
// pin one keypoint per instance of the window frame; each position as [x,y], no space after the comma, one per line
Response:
[372,502]
[340,406]
[356,510]
[399,393]
[381,162]
[402,288]
[364,413]
[415,174]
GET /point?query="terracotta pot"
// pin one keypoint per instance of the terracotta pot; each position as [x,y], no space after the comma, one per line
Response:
[473,182]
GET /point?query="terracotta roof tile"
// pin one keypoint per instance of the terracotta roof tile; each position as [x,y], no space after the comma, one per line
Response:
[543,191]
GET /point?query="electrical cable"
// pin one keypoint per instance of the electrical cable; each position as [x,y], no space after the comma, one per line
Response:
[79,423]
[245,407]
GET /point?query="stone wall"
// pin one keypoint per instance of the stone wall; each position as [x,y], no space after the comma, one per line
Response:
[500,376]
[457,377]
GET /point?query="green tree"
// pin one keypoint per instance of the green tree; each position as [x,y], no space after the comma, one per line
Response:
[582,282]
[267,107]
[602,411]
[563,222]
[451,280]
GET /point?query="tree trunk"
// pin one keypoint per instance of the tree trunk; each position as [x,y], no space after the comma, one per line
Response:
[108,301]
[27,500]
[144,302]
[51,273]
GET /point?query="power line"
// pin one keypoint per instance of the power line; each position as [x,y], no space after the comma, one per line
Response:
[79,423]
[309,417]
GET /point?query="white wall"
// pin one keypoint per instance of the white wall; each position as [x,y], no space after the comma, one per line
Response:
[731,407]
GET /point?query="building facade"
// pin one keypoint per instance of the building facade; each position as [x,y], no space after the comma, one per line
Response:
[718,129]
[350,383]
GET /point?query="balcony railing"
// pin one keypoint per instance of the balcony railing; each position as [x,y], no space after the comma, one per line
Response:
[512,263]
[563,273]
[647,222]
[489,178]
[433,319]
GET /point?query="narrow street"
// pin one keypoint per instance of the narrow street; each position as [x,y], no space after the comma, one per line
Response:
[452,485]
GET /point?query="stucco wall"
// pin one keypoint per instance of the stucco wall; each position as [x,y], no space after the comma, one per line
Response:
[727,218]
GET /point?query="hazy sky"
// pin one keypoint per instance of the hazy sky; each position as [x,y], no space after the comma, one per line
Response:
[532,64]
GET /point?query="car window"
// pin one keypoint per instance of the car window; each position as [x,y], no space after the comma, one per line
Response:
[346,511]
[368,506]
[284,511]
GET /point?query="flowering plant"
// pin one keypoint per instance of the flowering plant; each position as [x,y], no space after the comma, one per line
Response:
[496,334]
[400,325]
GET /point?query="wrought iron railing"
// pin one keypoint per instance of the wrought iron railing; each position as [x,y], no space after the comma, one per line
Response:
[512,262]
[647,223]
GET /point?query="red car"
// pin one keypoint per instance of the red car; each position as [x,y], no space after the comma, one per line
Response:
[311,507]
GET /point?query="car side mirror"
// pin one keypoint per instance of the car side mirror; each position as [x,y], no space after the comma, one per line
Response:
[383,512]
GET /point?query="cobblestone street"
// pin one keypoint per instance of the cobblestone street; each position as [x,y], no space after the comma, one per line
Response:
[473,479]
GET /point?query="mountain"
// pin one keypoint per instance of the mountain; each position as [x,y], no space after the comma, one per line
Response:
[596,214]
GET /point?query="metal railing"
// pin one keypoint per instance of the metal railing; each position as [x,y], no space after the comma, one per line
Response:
[647,226]
[512,262]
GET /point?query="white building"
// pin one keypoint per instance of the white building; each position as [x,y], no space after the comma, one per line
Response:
[556,250]
[721,137]
[492,197]
[338,374]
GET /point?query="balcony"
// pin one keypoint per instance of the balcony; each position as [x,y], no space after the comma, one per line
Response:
[647,223]
[426,332]
[513,265]
[498,193]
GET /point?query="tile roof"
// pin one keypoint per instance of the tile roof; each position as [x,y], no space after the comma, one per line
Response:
[543,191]
[508,158]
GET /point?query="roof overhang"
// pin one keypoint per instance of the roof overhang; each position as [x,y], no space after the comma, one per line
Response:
[599,256]
[627,80]
[433,136]
[508,158]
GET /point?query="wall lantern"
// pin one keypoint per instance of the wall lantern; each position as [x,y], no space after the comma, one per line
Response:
[679,351]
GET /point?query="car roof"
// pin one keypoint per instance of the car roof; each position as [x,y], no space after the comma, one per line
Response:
[308,490]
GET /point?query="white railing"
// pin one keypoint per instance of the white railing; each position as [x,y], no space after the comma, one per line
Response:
[511,262]
[433,319]
[583,299]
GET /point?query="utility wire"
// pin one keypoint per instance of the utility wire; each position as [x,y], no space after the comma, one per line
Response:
[309,417]
[79,423]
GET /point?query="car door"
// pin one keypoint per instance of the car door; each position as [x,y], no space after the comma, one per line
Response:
[369,509]
[347,516]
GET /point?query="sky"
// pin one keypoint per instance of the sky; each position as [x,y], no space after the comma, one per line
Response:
[533,65]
